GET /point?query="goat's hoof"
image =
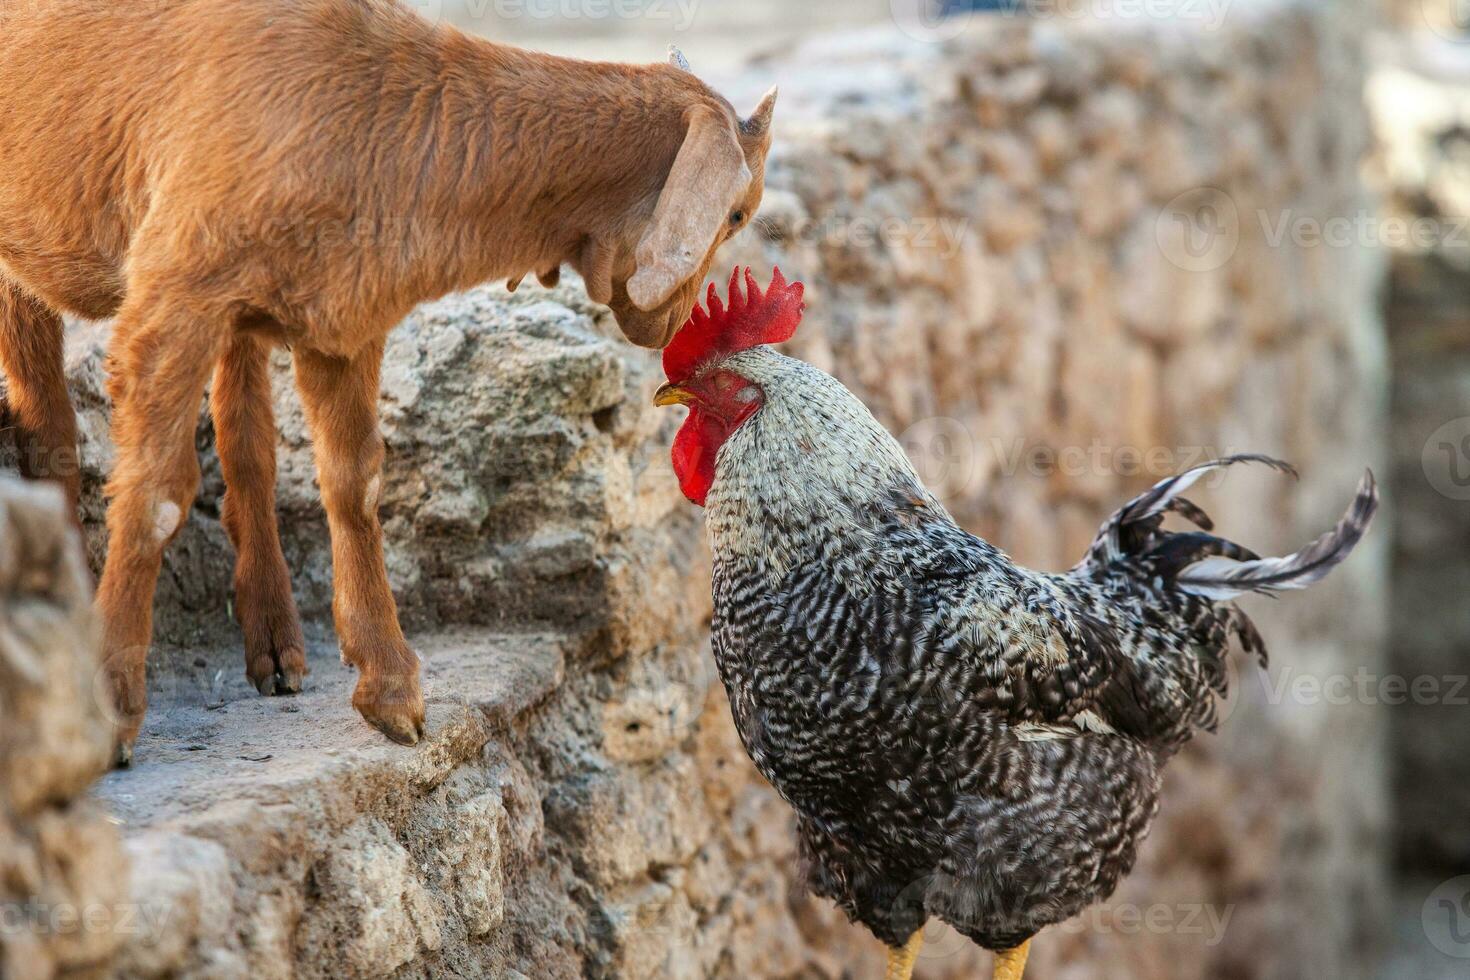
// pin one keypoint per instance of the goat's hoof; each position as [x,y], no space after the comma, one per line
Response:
[393,704]
[122,746]
[279,683]
[289,682]
[279,672]
[127,696]
[404,731]
[400,726]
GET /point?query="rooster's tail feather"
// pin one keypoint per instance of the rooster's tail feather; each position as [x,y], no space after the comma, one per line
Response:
[1133,550]
[1212,567]
[1134,527]
[1221,576]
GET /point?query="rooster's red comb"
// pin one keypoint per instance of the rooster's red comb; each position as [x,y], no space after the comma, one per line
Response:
[750,320]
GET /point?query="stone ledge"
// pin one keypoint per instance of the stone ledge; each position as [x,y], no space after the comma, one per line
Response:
[212,738]
[259,825]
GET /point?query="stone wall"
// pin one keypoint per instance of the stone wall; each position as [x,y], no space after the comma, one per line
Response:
[1421,162]
[1040,250]
[1136,282]
[61,861]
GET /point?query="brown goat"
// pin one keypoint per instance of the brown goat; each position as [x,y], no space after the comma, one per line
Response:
[224,175]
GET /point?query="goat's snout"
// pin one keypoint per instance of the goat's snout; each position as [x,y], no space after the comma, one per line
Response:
[652,330]
[656,327]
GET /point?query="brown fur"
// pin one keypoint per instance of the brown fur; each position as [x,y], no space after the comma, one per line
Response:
[220,175]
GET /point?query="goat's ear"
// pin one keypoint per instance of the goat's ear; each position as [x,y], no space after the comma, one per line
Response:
[759,123]
[708,175]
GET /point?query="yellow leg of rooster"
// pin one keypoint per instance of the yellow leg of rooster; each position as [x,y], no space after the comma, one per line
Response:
[901,961]
[1012,963]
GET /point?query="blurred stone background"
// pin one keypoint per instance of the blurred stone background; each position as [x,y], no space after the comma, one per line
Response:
[1065,249]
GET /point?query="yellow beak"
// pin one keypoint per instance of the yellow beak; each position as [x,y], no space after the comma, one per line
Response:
[672,394]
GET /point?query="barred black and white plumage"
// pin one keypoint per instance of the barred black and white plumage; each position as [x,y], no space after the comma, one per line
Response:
[960,737]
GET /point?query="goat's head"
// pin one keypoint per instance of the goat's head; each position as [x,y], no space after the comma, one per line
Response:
[650,270]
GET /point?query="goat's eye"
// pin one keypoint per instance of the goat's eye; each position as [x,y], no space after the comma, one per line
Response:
[736,217]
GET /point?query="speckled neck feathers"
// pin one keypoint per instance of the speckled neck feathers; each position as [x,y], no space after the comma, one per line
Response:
[810,470]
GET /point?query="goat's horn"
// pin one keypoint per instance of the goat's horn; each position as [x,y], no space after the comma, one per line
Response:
[759,122]
[677,59]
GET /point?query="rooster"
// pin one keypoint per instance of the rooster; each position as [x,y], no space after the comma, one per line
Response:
[961,738]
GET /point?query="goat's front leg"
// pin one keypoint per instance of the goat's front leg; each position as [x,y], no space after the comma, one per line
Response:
[340,397]
[158,363]
[245,434]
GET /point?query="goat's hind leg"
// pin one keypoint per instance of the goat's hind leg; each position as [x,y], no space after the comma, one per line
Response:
[31,355]
[245,435]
